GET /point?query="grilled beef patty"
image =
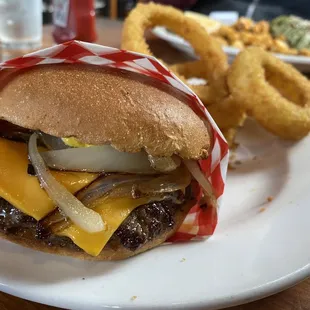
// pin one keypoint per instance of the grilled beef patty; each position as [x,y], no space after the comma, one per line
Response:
[142,225]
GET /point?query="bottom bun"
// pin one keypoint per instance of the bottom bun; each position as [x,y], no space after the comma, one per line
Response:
[110,252]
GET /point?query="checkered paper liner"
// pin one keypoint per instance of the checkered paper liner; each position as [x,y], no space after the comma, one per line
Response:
[201,220]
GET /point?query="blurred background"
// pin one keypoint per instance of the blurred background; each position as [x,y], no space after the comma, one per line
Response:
[107,8]
[32,24]
[263,9]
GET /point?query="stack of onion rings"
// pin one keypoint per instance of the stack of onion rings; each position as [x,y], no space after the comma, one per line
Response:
[257,84]
[272,92]
[213,59]
[212,65]
[223,108]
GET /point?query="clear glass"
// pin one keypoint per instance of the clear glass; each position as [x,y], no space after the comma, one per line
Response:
[20,24]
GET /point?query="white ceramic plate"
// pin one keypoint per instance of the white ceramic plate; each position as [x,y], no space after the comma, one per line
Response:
[259,247]
[302,63]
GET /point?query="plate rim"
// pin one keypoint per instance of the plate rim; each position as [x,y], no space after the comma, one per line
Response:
[245,296]
[162,33]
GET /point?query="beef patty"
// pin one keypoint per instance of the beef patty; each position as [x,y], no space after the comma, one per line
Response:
[143,224]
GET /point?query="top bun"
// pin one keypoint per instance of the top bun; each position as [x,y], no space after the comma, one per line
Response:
[100,105]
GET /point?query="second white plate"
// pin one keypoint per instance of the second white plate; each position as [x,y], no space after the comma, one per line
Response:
[302,63]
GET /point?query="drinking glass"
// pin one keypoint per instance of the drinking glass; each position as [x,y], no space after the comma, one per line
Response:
[20,24]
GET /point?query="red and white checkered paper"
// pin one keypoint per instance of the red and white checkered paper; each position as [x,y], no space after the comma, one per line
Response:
[200,221]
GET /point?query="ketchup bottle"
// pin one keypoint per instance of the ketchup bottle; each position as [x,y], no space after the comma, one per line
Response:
[74,20]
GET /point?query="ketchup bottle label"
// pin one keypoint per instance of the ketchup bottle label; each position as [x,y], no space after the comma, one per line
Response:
[61,12]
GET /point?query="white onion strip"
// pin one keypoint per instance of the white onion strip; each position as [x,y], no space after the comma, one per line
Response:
[80,215]
[98,159]
[196,172]
[164,164]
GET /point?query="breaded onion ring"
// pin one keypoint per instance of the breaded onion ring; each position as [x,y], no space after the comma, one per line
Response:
[212,57]
[212,65]
[227,114]
[197,69]
[191,69]
[273,92]
[224,110]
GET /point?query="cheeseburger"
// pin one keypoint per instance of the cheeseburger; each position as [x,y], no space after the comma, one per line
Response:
[95,162]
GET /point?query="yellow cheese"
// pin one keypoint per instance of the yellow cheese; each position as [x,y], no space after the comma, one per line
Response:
[113,212]
[22,190]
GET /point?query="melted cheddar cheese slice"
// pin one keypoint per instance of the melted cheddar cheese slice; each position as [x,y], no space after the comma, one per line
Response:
[22,190]
[113,212]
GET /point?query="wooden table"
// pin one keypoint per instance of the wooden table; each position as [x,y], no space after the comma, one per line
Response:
[296,298]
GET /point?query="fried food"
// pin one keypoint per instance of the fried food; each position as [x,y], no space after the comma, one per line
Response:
[213,63]
[146,16]
[280,46]
[228,115]
[224,110]
[213,59]
[196,69]
[238,44]
[280,95]
[210,25]
[228,34]
[274,37]
[304,52]
[257,84]
[190,69]
[230,135]
[221,41]
[243,24]
[261,27]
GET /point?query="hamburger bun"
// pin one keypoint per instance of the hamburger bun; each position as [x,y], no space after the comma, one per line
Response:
[100,105]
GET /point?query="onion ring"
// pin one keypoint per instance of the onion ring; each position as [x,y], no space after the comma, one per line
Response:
[279,97]
[191,69]
[228,116]
[211,55]
[212,65]
[196,69]
[224,110]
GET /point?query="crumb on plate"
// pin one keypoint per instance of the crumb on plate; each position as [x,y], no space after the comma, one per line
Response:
[182,260]
[133,298]
[262,209]
[269,198]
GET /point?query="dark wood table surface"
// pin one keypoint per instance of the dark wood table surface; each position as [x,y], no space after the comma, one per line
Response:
[109,33]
